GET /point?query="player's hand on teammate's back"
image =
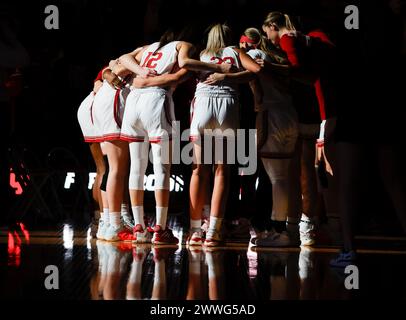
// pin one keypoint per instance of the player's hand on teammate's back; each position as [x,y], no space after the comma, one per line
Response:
[147,72]
[226,68]
[214,78]
[139,82]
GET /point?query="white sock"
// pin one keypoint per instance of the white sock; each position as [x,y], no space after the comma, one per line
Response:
[215,223]
[105,215]
[161,215]
[206,211]
[124,208]
[305,218]
[195,224]
[115,219]
[124,211]
[138,213]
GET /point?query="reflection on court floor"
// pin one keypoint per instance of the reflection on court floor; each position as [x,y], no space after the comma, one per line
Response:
[94,269]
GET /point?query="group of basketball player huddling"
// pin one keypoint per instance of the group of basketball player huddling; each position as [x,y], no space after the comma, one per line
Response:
[130,113]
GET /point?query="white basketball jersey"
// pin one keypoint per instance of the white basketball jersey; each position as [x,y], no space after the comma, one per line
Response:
[227,55]
[163,60]
[272,95]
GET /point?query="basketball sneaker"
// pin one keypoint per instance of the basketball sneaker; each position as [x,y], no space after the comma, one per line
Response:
[196,238]
[163,236]
[119,233]
[213,238]
[273,239]
[141,235]
[101,230]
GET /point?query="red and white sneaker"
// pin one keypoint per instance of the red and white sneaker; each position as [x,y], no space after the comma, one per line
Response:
[163,236]
[141,235]
[120,233]
[196,238]
[213,239]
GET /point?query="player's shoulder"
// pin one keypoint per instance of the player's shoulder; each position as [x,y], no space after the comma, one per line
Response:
[180,43]
[234,49]
[256,53]
[153,45]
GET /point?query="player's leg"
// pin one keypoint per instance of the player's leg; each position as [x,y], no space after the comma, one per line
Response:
[117,154]
[278,172]
[199,193]
[309,192]
[161,153]
[220,192]
[139,161]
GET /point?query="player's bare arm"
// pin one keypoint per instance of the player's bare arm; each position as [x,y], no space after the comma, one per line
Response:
[185,61]
[131,62]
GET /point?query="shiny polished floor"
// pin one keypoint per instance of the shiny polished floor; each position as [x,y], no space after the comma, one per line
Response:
[96,270]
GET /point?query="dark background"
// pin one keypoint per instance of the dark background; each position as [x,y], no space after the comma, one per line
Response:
[63,63]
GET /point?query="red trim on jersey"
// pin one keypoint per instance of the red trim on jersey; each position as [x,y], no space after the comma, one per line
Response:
[111,137]
[99,139]
[194,138]
[127,138]
[105,137]
[91,112]
[116,108]
[159,139]
[92,139]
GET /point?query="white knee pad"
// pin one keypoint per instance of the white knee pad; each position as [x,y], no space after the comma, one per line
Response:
[139,163]
[162,166]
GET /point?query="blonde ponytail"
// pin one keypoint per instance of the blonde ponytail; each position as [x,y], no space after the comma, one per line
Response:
[280,20]
[288,23]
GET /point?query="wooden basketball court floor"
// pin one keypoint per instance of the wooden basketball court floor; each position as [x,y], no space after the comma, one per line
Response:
[90,269]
